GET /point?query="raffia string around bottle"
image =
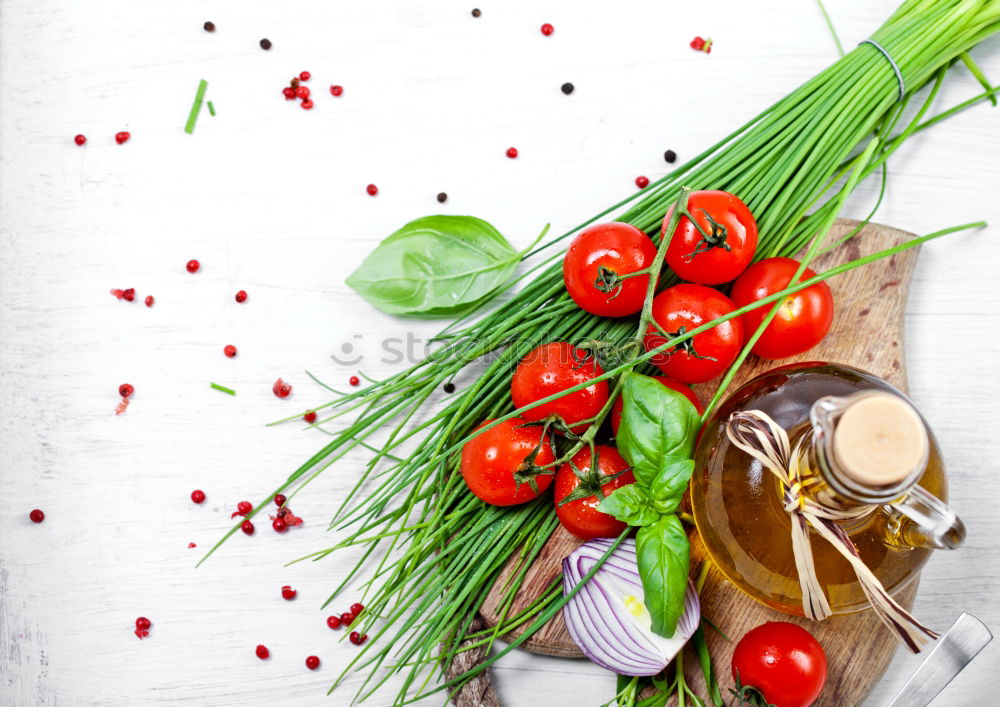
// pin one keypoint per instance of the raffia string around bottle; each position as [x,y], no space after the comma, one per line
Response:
[766,441]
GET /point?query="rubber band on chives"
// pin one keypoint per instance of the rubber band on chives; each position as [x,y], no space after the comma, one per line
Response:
[892,62]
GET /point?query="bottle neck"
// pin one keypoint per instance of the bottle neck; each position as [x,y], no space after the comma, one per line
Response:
[862,450]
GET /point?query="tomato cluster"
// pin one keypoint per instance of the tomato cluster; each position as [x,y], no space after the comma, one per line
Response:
[607,272]
[514,461]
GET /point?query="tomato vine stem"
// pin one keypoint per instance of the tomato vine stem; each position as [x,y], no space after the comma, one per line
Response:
[645,318]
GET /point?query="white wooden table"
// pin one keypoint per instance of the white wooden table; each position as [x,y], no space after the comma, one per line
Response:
[272,199]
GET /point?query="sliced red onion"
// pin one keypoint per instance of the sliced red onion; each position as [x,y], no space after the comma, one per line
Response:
[608,619]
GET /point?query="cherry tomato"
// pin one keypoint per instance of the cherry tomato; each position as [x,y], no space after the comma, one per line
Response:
[803,318]
[678,310]
[783,662]
[595,261]
[729,247]
[552,368]
[498,465]
[616,410]
[579,515]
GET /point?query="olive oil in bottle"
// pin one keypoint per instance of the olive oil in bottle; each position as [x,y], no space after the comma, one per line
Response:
[862,450]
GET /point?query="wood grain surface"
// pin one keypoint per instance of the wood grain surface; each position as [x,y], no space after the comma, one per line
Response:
[867,332]
[479,691]
[272,199]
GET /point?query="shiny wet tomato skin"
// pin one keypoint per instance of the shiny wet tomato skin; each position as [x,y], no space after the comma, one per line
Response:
[552,368]
[706,355]
[783,661]
[802,320]
[712,263]
[581,517]
[683,388]
[615,248]
[490,459]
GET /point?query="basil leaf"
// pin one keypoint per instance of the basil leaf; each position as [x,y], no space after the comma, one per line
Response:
[664,557]
[658,426]
[631,505]
[435,266]
[670,483]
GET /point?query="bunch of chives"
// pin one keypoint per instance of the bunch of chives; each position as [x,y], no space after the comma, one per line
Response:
[439,550]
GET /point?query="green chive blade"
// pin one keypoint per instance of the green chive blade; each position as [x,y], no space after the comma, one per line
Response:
[196,108]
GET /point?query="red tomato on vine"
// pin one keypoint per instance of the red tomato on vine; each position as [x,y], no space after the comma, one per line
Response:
[682,308]
[598,266]
[502,465]
[723,247]
[580,487]
[552,368]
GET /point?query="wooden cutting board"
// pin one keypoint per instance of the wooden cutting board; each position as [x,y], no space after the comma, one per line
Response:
[867,332]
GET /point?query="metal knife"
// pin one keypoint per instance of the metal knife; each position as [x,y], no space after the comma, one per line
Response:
[954,650]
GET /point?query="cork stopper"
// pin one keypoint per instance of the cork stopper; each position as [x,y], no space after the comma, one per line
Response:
[879,440]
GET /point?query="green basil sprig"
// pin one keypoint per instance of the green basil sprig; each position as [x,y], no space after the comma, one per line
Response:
[656,437]
[632,505]
[436,266]
[664,556]
[658,425]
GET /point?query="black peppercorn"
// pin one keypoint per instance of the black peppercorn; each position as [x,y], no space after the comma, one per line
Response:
[442,197]
[265,43]
[209,26]
[476,12]
[567,88]
[449,387]
[670,156]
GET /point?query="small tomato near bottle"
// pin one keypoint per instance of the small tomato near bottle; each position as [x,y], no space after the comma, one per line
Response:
[581,485]
[802,320]
[725,248]
[782,662]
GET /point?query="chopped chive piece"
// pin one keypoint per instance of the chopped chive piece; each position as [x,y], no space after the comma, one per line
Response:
[211,109]
[196,108]
[224,389]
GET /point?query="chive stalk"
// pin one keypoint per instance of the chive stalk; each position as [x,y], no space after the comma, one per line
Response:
[199,96]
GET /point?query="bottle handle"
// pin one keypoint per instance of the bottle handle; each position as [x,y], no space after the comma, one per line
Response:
[921,519]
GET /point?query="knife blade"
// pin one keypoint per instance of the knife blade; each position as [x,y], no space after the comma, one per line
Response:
[954,650]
